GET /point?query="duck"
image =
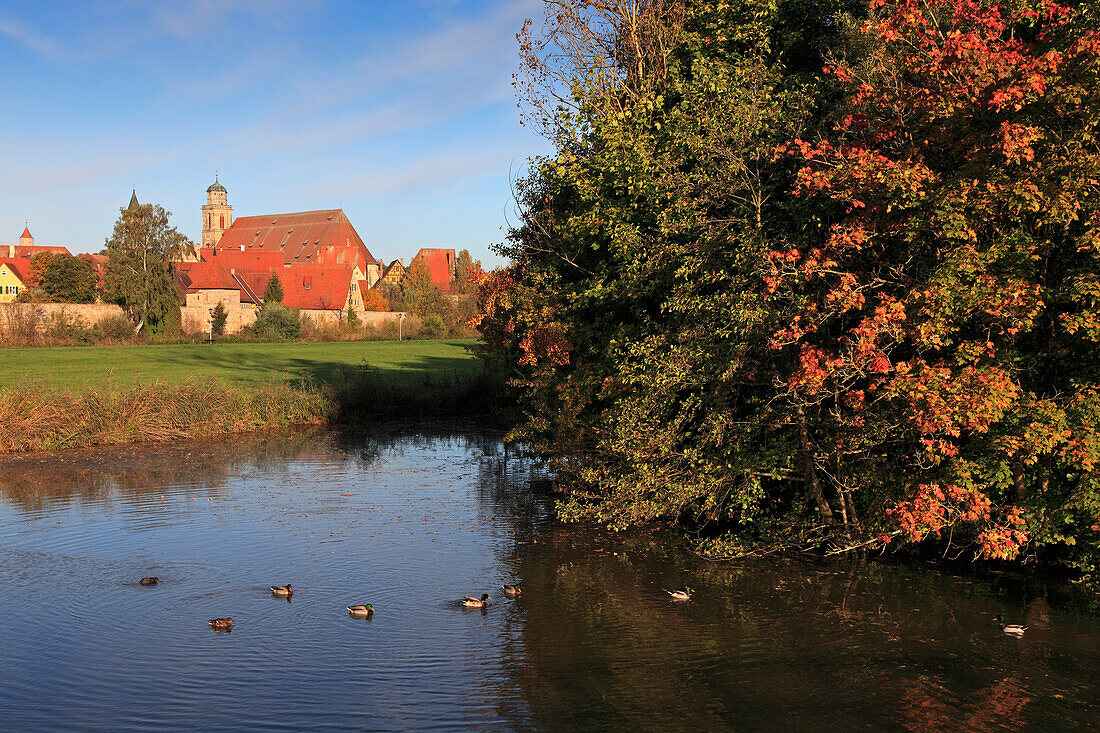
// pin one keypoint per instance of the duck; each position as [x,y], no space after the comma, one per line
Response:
[221,624]
[470,602]
[512,590]
[366,611]
[680,594]
[1011,629]
[282,590]
[148,581]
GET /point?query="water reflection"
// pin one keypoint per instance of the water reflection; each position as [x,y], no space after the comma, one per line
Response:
[410,519]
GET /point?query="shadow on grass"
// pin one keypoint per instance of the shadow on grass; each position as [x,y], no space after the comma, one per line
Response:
[262,364]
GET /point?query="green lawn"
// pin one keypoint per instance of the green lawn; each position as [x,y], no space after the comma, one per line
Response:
[250,364]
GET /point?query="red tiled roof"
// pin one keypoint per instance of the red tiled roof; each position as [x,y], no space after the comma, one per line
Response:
[305,287]
[29,250]
[20,266]
[441,263]
[26,233]
[307,237]
[316,287]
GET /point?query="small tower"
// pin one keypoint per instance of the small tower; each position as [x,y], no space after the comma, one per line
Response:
[217,214]
[25,239]
[134,205]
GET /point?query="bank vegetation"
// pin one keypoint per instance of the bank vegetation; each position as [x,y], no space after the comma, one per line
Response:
[814,275]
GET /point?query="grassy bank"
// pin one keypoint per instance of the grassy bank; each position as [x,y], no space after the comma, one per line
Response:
[53,398]
[244,364]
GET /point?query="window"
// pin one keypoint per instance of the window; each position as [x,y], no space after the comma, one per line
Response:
[222,220]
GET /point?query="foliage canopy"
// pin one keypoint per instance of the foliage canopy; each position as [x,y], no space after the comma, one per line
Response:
[814,274]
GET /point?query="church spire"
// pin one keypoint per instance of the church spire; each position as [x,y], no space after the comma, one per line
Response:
[134,205]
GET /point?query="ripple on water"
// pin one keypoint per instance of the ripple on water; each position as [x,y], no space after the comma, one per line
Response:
[412,523]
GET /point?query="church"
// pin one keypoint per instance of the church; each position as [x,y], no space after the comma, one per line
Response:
[321,261]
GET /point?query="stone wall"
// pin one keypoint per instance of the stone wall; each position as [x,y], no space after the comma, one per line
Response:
[25,317]
[195,315]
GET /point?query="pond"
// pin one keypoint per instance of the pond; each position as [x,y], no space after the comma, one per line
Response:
[413,518]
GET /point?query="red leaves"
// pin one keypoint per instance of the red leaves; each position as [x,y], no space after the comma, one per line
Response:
[935,507]
[546,342]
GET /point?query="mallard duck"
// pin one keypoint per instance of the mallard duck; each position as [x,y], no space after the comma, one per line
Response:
[361,611]
[680,594]
[470,602]
[282,590]
[148,581]
[1012,629]
[221,624]
[512,590]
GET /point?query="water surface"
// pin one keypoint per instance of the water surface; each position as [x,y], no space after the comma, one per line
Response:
[412,518]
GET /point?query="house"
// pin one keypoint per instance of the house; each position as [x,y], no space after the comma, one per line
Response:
[14,273]
[441,264]
[303,238]
[393,273]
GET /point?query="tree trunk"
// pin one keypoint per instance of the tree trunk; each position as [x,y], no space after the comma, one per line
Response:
[1018,480]
[808,467]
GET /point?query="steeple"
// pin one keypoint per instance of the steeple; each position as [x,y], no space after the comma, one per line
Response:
[217,214]
[134,205]
[25,239]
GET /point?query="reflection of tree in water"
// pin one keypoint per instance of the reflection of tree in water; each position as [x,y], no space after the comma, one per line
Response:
[196,468]
[594,642]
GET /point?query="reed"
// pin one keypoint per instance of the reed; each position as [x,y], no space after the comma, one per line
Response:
[37,416]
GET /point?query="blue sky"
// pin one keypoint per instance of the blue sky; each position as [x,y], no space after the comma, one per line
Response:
[401,113]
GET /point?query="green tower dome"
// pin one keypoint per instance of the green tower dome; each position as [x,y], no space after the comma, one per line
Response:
[215,186]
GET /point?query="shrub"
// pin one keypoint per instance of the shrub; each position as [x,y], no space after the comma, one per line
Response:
[277,322]
[62,328]
[432,327]
[113,328]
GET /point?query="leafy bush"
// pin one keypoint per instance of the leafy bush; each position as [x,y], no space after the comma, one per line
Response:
[114,328]
[277,322]
[432,327]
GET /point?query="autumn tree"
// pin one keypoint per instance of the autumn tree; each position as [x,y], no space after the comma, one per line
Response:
[374,301]
[812,274]
[139,274]
[942,306]
[418,277]
[466,272]
[39,262]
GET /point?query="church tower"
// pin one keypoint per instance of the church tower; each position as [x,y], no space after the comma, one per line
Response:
[217,214]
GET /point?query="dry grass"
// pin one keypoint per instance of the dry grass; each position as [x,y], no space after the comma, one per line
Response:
[40,417]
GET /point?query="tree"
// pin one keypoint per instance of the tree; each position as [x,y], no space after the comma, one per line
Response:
[466,272]
[273,293]
[40,261]
[353,317]
[69,279]
[139,274]
[417,279]
[837,308]
[218,318]
[943,308]
[373,300]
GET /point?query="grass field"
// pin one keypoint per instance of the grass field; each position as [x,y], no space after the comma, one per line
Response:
[246,364]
